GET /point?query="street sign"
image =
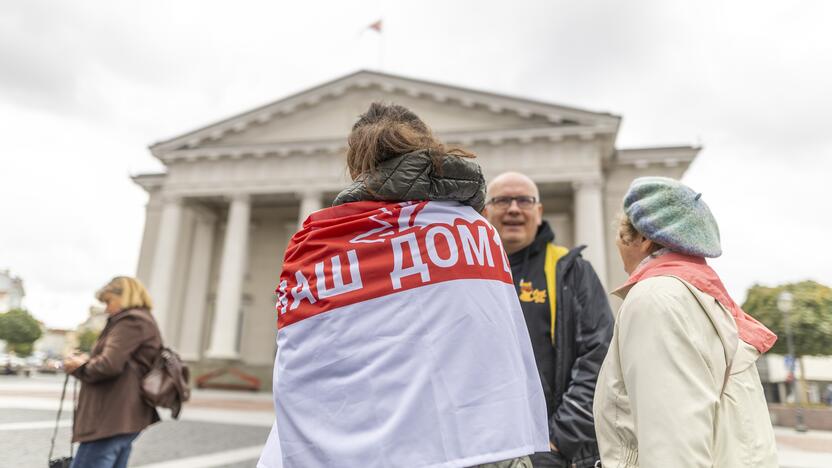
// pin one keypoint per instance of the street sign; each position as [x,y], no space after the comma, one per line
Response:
[788,361]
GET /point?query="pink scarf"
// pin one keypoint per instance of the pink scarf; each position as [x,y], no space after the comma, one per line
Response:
[696,271]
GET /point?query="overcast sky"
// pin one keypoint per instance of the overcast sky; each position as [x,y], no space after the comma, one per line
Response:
[86,86]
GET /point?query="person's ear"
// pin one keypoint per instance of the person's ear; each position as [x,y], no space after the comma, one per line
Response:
[539,214]
[646,245]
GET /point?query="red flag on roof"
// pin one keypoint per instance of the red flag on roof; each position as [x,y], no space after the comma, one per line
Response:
[376,26]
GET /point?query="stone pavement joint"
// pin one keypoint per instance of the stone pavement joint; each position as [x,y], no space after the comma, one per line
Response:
[211,460]
[201,401]
[26,425]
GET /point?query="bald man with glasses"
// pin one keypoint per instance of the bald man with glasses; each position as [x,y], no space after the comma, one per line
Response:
[567,313]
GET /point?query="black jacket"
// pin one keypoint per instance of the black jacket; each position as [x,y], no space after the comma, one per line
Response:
[419,176]
[583,329]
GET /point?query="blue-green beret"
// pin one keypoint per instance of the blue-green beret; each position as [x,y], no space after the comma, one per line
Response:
[670,213]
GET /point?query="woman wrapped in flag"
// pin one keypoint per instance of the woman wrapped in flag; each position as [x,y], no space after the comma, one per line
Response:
[401,342]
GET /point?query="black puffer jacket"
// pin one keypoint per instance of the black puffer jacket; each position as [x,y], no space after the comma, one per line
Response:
[415,176]
[583,330]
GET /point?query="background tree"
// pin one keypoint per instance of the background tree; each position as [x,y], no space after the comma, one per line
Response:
[20,330]
[86,339]
[810,319]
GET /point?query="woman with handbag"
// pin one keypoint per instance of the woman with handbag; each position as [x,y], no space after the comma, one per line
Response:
[111,412]
[679,386]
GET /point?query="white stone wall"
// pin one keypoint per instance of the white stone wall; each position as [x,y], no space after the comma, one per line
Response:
[269,237]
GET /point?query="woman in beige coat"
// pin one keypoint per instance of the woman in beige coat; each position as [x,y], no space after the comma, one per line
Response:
[679,387]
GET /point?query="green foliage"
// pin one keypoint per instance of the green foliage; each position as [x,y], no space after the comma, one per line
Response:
[22,349]
[20,330]
[810,317]
[86,339]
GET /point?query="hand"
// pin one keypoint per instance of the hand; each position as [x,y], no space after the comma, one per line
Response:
[553,447]
[73,362]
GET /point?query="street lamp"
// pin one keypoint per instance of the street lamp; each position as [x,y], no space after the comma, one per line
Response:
[785,301]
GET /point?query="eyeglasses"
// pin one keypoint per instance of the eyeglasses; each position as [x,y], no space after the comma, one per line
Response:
[524,202]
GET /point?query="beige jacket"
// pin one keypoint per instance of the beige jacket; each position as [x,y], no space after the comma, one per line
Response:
[677,388]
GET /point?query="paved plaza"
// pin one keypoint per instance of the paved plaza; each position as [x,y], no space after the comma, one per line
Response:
[217,429]
[221,429]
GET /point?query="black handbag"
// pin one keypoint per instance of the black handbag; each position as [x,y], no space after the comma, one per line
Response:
[63,462]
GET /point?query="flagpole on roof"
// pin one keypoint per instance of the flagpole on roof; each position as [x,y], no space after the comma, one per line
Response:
[380,50]
[378,26]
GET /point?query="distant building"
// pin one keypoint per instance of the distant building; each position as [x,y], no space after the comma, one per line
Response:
[11,296]
[95,321]
[55,343]
[11,291]
[774,376]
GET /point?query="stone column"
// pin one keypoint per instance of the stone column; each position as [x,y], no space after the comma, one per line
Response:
[310,203]
[164,259]
[196,293]
[152,218]
[230,289]
[590,224]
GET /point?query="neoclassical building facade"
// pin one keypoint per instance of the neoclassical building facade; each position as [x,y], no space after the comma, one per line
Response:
[233,193]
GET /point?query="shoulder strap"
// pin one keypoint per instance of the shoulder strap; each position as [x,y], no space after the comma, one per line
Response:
[58,418]
[553,254]
[729,358]
[74,414]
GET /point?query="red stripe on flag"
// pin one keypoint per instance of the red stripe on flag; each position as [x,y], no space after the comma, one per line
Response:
[360,251]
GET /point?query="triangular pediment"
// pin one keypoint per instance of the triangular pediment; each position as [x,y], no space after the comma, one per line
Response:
[326,113]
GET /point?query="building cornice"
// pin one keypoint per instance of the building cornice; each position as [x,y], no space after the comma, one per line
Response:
[338,145]
[150,181]
[669,156]
[441,93]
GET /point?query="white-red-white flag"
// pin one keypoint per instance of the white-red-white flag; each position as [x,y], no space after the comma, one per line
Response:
[401,342]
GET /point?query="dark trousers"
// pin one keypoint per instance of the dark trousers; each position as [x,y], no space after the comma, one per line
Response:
[519,462]
[549,460]
[556,460]
[111,452]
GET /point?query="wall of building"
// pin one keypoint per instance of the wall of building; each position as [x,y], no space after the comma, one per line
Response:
[269,236]
[542,160]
